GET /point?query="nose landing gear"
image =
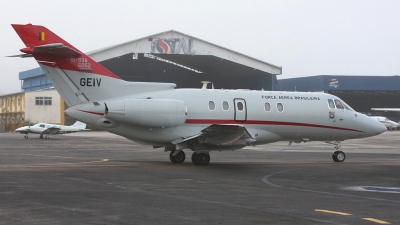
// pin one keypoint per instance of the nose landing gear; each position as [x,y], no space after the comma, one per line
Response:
[338,155]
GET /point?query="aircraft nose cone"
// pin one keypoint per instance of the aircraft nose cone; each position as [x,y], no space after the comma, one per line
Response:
[378,128]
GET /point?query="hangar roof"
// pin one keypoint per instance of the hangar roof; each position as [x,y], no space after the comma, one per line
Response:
[340,83]
[202,56]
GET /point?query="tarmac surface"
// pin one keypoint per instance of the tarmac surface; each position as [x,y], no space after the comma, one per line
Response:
[100,178]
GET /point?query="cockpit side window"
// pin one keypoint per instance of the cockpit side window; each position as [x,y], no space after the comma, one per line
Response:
[331,104]
[41,125]
[338,104]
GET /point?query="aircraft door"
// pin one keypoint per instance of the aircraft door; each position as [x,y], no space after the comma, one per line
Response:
[240,109]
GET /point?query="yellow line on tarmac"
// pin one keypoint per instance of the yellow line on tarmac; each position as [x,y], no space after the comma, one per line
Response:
[333,212]
[376,221]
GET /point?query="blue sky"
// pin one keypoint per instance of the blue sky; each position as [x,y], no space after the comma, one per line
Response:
[306,38]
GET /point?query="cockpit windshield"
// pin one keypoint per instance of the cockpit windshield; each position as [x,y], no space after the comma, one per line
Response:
[338,104]
[346,106]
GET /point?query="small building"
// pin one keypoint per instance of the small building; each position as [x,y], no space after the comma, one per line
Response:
[12,111]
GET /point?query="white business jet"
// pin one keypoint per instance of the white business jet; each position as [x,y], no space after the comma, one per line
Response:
[390,124]
[199,120]
[50,129]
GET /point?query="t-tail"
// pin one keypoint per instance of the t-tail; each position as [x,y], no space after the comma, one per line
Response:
[77,77]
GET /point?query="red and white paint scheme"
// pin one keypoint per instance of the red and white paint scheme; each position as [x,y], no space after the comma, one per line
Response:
[201,120]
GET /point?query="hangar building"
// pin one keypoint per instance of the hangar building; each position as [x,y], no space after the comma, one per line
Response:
[171,57]
[361,92]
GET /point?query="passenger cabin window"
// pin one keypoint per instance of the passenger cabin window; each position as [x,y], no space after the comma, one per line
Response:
[240,106]
[338,104]
[331,104]
[211,105]
[225,106]
[279,107]
[267,107]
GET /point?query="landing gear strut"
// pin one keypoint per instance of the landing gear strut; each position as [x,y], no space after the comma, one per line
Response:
[200,159]
[41,136]
[338,155]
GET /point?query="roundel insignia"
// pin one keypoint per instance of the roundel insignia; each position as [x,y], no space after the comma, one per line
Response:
[331,115]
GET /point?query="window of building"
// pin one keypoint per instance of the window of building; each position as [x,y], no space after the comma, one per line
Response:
[225,106]
[211,105]
[44,101]
[331,104]
[279,107]
[267,107]
[47,100]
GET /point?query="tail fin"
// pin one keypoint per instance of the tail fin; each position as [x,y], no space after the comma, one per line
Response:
[79,124]
[76,77]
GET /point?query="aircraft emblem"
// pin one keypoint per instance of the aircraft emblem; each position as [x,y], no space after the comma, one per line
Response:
[331,115]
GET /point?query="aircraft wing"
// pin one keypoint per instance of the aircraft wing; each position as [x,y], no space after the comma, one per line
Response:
[217,134]
[386,109]
[222,135]
[51,130]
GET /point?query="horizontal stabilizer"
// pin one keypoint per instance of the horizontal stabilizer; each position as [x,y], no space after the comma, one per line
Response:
[21,55]
[53,49]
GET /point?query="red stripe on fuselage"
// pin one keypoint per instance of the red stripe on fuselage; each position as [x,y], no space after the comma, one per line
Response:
[261,122]
[95,113]
[251,122]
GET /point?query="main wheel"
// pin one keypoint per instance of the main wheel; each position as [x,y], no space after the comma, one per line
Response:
[338,156]
[26,137]
[194,158]
[202,159]
[41,136]
[178,158]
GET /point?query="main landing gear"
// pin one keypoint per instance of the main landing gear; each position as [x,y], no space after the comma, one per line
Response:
[26,137]
[338,155]
[178,156]
[200,159]
[46,137]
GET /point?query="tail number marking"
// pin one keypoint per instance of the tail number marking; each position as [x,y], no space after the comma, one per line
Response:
[82,63]
[90,82]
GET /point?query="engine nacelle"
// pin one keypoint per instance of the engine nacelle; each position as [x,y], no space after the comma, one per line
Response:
[154,113]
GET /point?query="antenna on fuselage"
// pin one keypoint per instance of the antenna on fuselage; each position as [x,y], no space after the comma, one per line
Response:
[205,83]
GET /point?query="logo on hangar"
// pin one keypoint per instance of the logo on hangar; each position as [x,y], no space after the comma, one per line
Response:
[171,45]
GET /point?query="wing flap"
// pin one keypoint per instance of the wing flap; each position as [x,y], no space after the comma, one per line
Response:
[51,130]
[226,134]
[220,135]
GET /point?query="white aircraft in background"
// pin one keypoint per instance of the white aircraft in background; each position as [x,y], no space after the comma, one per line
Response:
[199,120]
[385,121]
[386,109]
[50,129]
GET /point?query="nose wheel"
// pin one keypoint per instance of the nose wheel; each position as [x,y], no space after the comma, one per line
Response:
[338,155]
